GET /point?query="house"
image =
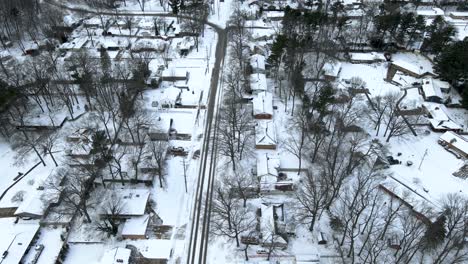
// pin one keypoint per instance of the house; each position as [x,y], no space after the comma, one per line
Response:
[462,172]
[430,13]
[459,15]
[439,119]
[372,57]
[156,45]
[265,135]
[35,206]
[431,91]
[274,15]
[116,255]
[157,251]
[93,22]
[258,83]
[17,238]
[263,106]
[257,62]
[267,171]
[331,71]
[111,45]
[74,44]
[270,220]
[135,227]
[407,68]
[454,142]
[134,201]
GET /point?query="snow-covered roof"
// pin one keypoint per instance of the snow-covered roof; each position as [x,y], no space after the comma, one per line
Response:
[267,225]
[75,44]
[16,239]
[459,14]
[116,255]
[157,248]
[156,44]
[416,67]
[257,62]
[431,88]
[435,11]
[267,165]
[455,140]
[274,14]
[440,117]
[332,69]
[170,95]
[263,103]
[133,200]
[258,82]
[35,204]
[265,133]
[367,57]
[136,225]
[175,72]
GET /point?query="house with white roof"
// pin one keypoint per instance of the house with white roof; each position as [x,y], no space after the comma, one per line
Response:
[258,83]
[269,235]
[430,13]
[459,15]
[134,201]
[408,68]
[265,135]
[439,118]
[267,171]
[257,62]
[116,255]
[454,142]
[135,227]
[263,106]
[370,57]
[431,91]
[16,239]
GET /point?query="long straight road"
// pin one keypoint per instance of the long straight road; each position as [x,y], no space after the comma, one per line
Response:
[200,211]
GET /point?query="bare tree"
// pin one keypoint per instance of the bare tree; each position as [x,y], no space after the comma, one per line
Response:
[49,142]
[157,160]
[296,143]
[109,221]
[312,198]
[453,247]
[229,218]
[73,188]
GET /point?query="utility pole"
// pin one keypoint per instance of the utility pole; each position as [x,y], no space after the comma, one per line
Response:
[422,159]
[185,173]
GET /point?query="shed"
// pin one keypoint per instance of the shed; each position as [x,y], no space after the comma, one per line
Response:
[331,71]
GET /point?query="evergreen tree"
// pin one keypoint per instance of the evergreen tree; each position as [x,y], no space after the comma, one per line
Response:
[452,63]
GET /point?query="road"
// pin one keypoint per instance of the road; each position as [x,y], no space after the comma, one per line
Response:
[200,211]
